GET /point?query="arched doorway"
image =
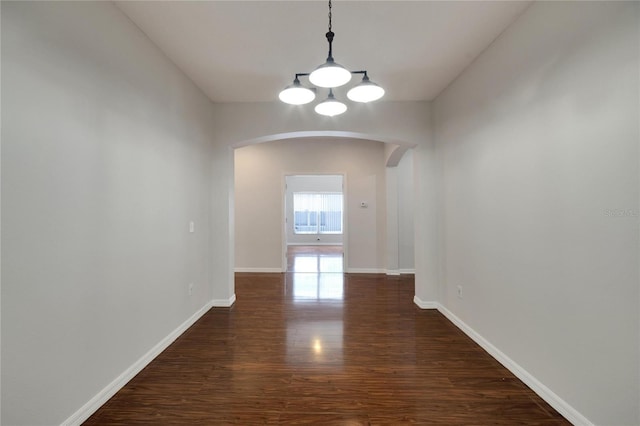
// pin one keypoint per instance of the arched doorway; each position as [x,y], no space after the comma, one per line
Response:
[399,125]
[368,201]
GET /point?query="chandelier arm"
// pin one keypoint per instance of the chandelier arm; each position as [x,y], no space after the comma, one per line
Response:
[306,74]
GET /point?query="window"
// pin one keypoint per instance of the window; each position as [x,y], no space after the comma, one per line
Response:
[317,213]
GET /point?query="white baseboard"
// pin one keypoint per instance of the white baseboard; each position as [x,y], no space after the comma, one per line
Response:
[260,270]
[560,405]
[408,271]
[314,244]
[424,305]
[566,410]
[105,394]
[224,303]
[393,272]
[365,271]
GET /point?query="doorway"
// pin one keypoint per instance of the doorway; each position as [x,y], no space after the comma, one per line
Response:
[314,210]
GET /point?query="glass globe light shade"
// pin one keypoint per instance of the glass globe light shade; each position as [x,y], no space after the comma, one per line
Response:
[366,91]
[330,107]
[296,94]
[330,75]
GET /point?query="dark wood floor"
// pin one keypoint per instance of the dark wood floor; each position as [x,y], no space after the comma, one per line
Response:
[324,348]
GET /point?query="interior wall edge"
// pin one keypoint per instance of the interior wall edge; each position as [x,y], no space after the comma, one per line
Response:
[224,303]
[424,304]
[91,406]
[563,407]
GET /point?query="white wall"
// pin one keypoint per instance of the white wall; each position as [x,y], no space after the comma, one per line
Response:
[260,170]
[406,230]
[538,142]
[240,123]
[106,157]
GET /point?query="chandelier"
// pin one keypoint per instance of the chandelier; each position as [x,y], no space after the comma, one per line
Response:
[330,75]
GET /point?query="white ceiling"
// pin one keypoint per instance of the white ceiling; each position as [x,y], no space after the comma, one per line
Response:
[245,51]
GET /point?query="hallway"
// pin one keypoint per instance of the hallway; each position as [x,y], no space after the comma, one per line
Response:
[316,346]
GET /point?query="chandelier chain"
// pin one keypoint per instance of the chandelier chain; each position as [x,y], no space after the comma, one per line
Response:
[329,15]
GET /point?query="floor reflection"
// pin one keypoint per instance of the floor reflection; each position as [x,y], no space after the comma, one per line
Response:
[317,342]
[315,280]
[316,272]
[314,286]
[326,263]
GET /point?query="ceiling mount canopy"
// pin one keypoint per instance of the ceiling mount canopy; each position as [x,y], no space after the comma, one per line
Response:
[330,75]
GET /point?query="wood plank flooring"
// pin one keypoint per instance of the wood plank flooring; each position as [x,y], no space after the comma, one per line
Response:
[324,348]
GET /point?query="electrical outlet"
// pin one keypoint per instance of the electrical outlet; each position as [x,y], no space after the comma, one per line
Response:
[459,292]
[190,289]
[192,226]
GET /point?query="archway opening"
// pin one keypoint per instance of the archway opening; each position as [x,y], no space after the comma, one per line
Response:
[260,174]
